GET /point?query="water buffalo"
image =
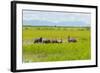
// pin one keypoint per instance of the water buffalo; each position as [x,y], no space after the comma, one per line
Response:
[71,39]
[46,41]
[38,40]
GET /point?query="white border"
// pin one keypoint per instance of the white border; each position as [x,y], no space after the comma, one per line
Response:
[37,65]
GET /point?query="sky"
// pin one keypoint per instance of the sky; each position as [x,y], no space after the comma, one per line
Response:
[52,18]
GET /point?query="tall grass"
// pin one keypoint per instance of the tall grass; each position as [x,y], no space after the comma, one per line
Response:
[33,52]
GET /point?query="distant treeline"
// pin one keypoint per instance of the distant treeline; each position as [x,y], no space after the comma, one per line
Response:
[55,28]
[59,26]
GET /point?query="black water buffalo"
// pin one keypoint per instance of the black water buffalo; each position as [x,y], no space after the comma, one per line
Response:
[38,40]
[46,41]
[71,39]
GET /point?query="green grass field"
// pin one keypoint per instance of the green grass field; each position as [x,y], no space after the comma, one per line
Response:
[41,52]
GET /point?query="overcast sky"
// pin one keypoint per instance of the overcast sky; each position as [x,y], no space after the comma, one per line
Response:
[51,18]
